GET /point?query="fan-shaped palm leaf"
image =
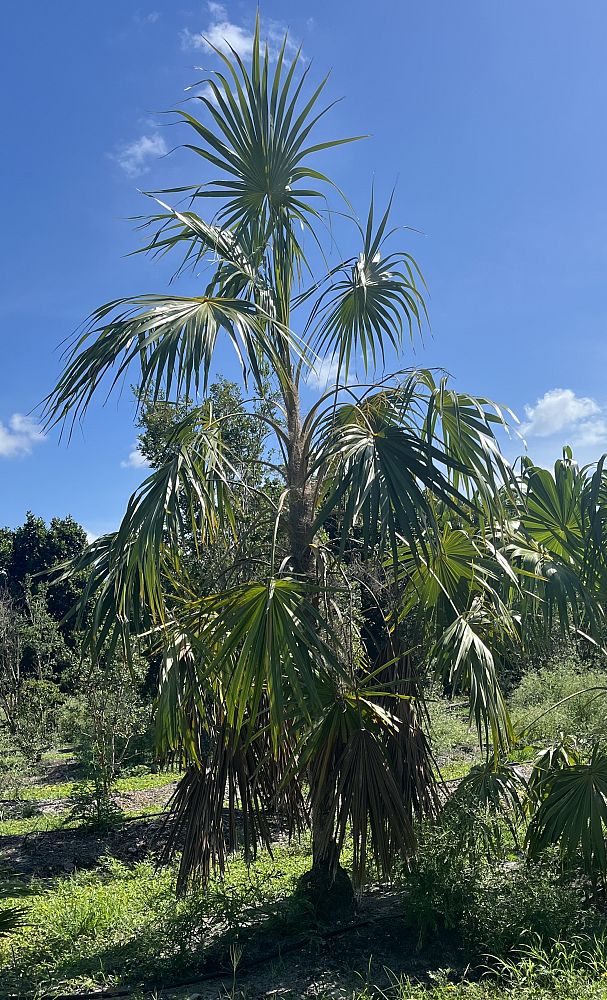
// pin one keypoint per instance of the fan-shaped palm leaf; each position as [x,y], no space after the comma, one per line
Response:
[172,339]
[573,813]
[127,571]
[268,639]
[379,473]
[260,143]
[372,304]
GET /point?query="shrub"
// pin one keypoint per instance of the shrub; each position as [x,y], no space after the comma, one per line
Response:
[584,716]
[492,907]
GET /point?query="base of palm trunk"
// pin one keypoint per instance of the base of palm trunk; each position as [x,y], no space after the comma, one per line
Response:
[329,893]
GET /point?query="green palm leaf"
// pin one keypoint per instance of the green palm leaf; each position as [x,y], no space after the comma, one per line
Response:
[173,341]
[372,304]
[269,639]
[260,144]
[128,572]
[378,472]
[466,427]
[573,813]
[463,656]
[355,784]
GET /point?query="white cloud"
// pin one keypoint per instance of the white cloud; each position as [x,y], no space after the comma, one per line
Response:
[90,537]
[134,158]
[557,410]
[20,436]
[135,460]
[559,418]
[323,374]
[224,34]
[590,434]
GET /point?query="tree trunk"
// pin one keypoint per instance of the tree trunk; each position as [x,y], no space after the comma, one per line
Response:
[327,886]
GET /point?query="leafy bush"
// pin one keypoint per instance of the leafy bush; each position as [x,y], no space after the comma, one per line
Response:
[92,804]
[583,716]
[109,722]
[492,906]
[15,768]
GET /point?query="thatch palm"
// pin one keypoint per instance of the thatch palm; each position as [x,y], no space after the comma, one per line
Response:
[300,678]
[545,579]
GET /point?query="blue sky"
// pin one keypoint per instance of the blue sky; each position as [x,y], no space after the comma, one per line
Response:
[489,118]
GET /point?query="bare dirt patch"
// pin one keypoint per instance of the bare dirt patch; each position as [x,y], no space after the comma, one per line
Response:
[58,852]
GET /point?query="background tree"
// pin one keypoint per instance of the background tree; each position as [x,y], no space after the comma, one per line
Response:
[30,551]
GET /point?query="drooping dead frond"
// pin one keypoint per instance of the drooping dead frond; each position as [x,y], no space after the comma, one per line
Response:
[237,794]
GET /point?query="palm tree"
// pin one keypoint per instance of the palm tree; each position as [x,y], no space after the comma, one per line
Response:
[294,692]
[545,579]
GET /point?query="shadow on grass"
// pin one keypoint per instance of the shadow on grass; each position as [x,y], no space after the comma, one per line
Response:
[273,941]
[51,853]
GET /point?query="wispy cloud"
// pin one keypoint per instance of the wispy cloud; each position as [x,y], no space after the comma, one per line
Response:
[323,374]
[225,34]
[561,417]
[135,459]
[151,18]
[135,157]
[20,436]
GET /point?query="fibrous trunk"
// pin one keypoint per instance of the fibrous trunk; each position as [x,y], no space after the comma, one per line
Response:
[327,886]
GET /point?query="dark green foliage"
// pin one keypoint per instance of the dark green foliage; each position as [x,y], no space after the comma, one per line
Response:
[35,548]
[492,906]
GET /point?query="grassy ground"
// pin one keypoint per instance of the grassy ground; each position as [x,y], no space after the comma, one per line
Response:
[134,783]
[113,923]
[121,923]
[61,820]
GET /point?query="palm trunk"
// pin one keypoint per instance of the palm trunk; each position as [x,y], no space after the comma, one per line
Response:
[327,885]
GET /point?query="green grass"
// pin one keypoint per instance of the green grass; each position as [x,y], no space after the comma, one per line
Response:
[64,756]
[32,824]
[119,924]
[583,716]
[41,823]
[142,782]
[458,767]
[563,987]
[133,783]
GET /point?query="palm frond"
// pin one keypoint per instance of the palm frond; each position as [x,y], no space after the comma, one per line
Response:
[371,302]
[353,784]
[128,571]
[462,655]
[269,639]
[466,427]
[379,473]
[261,797]
[171,339]
[259,140]
[573,814]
